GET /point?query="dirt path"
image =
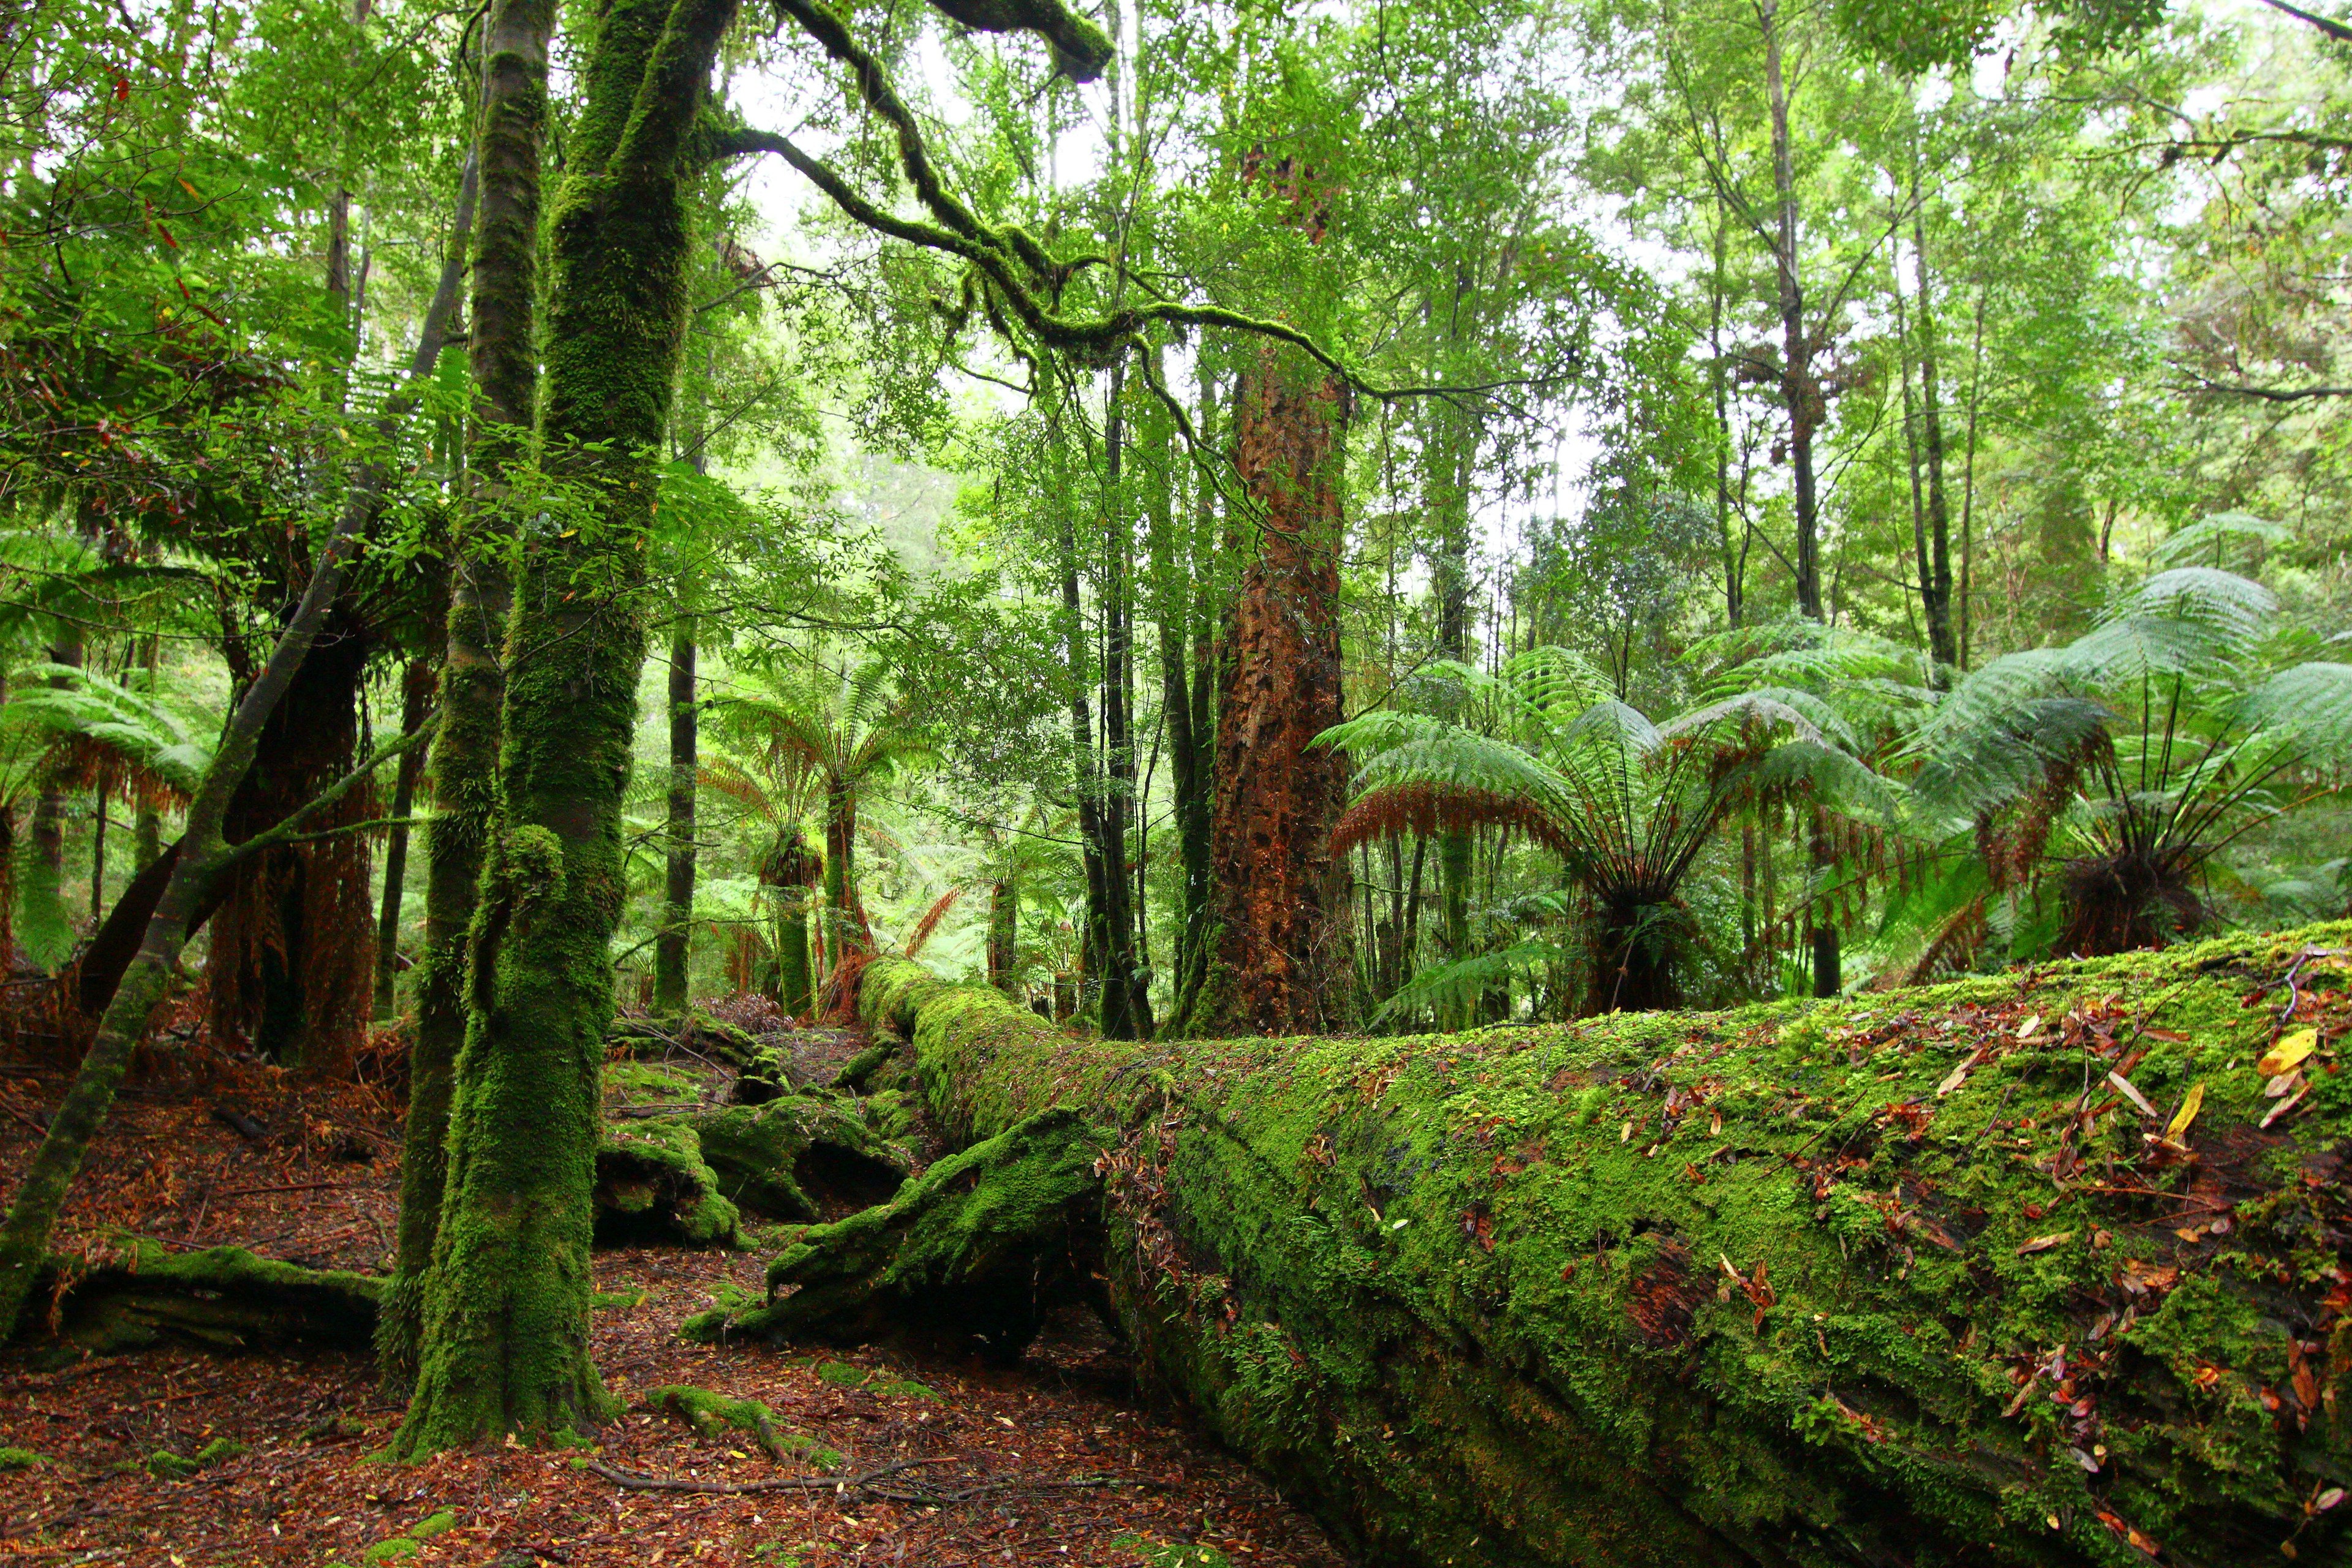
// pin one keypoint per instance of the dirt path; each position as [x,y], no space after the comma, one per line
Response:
[200,1461]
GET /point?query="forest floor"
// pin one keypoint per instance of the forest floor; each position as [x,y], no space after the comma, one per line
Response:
[198,1460]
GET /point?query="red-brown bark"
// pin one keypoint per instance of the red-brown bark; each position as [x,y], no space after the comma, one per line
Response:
[1278,794]
[293,943]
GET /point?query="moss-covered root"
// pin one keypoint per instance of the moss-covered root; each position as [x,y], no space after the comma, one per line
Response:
[982,1246]
[780,1159]
[653,1185]
[222,1298]
[855,1072]
[714,1416]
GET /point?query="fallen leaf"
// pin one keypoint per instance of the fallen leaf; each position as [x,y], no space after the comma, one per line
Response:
[2282,1084]
[2187,1114]
[2030,1028]
[2044,1243]
[1626,1136]
[2123,1086]
[2288,1052]
[2327,1500]
[2284,1106]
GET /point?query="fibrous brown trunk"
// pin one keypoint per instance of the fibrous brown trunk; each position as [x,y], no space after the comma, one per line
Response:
[1277,792]
[292,958]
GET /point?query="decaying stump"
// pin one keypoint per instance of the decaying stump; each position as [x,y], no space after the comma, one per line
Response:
[2025,1269]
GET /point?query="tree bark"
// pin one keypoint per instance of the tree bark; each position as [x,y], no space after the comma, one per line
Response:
[416,703]
[1621,1293]
[1937,593]
[1277,792]
[292,958]
[505,1342]
[502,357]
[673,947]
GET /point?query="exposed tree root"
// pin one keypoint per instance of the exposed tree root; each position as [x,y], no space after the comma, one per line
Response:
[713,1416]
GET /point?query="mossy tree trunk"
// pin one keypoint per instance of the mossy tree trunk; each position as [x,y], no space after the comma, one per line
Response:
[205,857]
[505,1342]
[1872,1281]
[502,356]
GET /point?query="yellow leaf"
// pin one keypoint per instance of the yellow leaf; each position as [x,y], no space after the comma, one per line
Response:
[2187,1114]
[2030,1028]
[2044,1243]
[2288,1053]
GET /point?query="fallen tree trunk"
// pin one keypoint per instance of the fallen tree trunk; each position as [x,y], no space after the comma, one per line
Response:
[2025,1269]
[221,1298]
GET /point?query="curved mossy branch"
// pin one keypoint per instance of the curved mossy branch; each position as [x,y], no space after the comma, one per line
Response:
[1807,1285]
[40,1196]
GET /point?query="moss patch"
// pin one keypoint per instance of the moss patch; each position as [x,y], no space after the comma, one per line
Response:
[652,1181]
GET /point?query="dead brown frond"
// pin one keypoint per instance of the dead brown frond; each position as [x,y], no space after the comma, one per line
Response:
[1428,810]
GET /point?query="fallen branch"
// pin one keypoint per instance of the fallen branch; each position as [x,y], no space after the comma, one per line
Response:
[835,1482]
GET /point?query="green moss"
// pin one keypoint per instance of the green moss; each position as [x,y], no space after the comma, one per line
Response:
[223,1297]
[651,1179]
[166,1466]
[436,1524]
[221,1448]
[13,1459]
[975,1248]
[1703,1288]
[767,1156]
[653,1081]
[714,1415]
[392,1550]
[1172,1554]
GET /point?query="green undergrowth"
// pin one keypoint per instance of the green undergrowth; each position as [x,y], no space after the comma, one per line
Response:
[1171,1553]
[1919,1275]
[15,1459]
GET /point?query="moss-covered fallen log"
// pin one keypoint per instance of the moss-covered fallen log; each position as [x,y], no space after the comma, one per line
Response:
[222,1298]
[2028,1269]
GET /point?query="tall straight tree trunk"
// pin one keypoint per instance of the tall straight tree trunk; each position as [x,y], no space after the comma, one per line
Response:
[1448,500]
[1799,390]
[502,357]
[1124,1008]
[205,857]
[1937,599]
[1186,690]
[1921,563]
[416,702]
[1718,384]
[506,1324]
[671,949]
[1277,792]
